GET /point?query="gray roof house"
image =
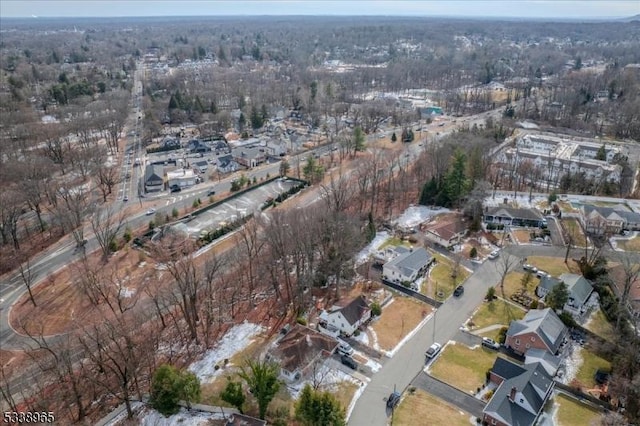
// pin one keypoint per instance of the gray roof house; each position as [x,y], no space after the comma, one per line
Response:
[153,178]
[539,329]
[347,317]
[407,266]
[519,400]
[600,220]
[513,216]
[579,289]
[226,164]
[549,362]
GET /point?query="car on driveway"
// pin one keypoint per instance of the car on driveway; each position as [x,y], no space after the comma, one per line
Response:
[345,349]
[459,291]
[494,254]
[393,399]
[433,350]
[349,362]
[490,343]
[527,267]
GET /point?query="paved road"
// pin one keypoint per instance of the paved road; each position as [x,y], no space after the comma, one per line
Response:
[448,393]
[408,362]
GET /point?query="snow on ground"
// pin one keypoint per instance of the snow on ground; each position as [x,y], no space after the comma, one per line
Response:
[521,200]
[327,377]
[127,292]
[408,336]
[150,417]
[373,365]
[355,398]
[375,344]
[236,339]
[572,364]
[362,338]
[372,247]
[122,414]
[415,215]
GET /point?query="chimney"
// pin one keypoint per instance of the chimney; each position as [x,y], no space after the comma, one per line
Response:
[512,394]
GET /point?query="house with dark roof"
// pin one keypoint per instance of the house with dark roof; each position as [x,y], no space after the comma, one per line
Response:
[201,166]
[539,329]
[607,220]
[514,217]
[198,146]
[504,369]
[153,178]
[301,351]
[407,266]
[520,397]
[578,287]
[348,317]
[549,362]
[447,234]
[226,164]
[249,156]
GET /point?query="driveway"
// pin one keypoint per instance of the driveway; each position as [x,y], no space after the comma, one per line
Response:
[448,393]
[556,232]
[409,360]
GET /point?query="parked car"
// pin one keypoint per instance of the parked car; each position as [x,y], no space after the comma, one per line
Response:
[345,349]
[433,350]
[176,188]
[126,198]
[490,343]
[349,362]
[459,291]
[527,267]
[393,399]
[494,254]
[150,212]
[541,274]
[211,192]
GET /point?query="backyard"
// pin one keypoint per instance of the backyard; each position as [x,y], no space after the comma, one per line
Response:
[462,367]
[599,324]
[590,364]
[422,405]
[572,413]
[398,318]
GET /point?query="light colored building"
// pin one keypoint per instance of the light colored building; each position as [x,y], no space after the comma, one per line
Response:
[348,317]
[181,177]
[578,287]
[607,220]
[407,265]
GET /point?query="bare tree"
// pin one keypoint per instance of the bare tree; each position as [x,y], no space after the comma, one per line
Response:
[106,224]
[28,277]
[337,193]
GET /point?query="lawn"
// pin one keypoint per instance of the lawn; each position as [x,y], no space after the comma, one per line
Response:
[422,405]
[599,324]
[398,319]
[522,235]
[590,364]
[553,265]
[344,393]
[513,284]
[573,413]
[462,367]
[440,277]
[575,231]
[496,312]
[632,244]
[394,242]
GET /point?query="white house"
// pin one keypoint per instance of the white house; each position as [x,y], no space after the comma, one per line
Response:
[349,316]
[181,177]
[407,265]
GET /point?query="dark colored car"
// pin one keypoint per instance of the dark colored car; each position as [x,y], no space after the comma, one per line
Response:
[393,399]
[176,188]
[349,362]
[211,192]
[459,291]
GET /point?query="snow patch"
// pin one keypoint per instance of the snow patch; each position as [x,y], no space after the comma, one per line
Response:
[127,292]
[235,340]
[150,417]
[572,364]
[328,378]
[415,215]
[373,365]
[372,247]
[362,338]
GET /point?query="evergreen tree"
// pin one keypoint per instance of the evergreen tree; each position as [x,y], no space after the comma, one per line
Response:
[241,122]
[429,192]
[602,153]
[262,379]
[315,408]
[169,386]
[233,394]
[256,118]
[358,139]
[558,296]
[394,138]
[456,182]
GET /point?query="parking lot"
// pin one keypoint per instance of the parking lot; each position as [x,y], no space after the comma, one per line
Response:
[236,208]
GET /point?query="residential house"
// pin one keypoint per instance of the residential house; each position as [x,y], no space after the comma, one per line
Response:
[514,216]
[607,220]
[520,396]
[181,177]
[504,369]
[249,156]
[539,329]
[578,287]
[170,143]
[300,351]
[153,178]
[201,166]
[548,361]
[619,279]
[226,164]
[447,234]
[348,317]
[197,146]
[407,266]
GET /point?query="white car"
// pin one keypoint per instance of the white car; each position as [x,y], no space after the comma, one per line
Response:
[494,254]
[490,343]
[345,349]
[433,350]
[150,212]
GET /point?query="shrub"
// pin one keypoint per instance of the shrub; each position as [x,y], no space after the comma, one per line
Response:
[376,309]
[534,304]
[491,294]
[502,335]
[175,212]
[473,253]
[553,197]
[152,225]
[195,204]
[113,245]
[301,321]
[127,235]
[567,319]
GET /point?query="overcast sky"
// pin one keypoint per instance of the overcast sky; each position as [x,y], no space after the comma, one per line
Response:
[514,8]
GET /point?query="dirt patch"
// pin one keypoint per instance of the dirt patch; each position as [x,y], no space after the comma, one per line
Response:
[397,320]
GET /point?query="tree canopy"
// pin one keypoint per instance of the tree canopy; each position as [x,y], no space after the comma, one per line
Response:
[315,408]
[169,386]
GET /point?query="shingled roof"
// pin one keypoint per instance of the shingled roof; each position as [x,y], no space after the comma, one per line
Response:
[301,346]
[543,322]
[354,310]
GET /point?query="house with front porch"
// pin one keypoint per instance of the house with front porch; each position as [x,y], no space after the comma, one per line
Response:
[347,316]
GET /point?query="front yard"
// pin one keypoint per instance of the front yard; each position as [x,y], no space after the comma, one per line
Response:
[574,230]
[422,405]
[632,244]
[498,312]
[398,318]
[553,265]
[462,367]
[573,413]
[440,278]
